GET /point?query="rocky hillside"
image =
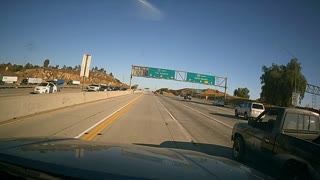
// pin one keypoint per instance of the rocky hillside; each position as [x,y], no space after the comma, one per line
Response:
[67,75]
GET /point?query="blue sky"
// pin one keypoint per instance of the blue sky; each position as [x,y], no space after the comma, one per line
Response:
[224,38]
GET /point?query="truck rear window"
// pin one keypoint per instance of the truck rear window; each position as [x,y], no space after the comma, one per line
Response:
[301,122]
[257,106]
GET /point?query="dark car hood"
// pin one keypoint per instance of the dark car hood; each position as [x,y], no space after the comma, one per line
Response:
[92,160]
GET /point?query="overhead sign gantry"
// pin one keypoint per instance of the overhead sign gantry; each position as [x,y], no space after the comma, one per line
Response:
[177,75]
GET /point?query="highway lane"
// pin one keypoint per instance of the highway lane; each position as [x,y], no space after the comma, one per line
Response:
[148,123]
[28,91]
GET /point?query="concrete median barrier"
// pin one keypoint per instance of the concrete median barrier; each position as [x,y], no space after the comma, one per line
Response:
[14,107]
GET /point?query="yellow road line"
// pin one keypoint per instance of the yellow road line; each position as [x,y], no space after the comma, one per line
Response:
[100,127]
[11,122]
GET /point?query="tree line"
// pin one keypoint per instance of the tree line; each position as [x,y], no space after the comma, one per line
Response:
[46,62]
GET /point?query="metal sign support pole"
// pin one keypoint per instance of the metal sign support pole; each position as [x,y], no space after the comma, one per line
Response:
[225,90]
[85,69]
[82,82]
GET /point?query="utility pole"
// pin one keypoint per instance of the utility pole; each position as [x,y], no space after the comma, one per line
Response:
[295,79]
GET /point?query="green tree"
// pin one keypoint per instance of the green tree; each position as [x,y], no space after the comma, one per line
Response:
[28,66]
[111,74]
[46,63]
[16,67]
[64,67]
[242,92]
[77,68]
[279,81]
[101,70]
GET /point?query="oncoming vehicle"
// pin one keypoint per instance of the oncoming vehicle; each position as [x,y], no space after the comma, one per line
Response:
[116,88]
[218,102]
[94,87]
[105,88]
[45,87]
[249,110]
[188,96]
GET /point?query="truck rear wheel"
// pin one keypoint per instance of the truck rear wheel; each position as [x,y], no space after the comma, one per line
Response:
[238,150]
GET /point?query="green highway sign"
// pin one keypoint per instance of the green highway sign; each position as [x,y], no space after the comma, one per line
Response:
[200,78]
[161,73]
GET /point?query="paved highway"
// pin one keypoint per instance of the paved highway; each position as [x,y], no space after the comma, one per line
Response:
[143,119]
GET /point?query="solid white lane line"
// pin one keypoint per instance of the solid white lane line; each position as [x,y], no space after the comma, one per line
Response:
[184,131]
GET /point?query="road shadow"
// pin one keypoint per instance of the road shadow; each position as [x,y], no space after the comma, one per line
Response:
[205,103]
[227,116]
[210,149]
[190,101]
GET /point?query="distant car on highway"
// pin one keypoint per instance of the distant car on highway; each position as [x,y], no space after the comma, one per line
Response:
[58,82]
[8,79]
[73,82]
[116,88]
[94,87]
[105,88]
[187,96]
[45,87]
[249,110]
[28,81]
[218,102]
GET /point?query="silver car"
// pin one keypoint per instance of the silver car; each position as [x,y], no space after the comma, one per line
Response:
[249,110]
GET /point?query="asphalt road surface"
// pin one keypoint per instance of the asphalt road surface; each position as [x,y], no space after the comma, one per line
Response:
[143,119]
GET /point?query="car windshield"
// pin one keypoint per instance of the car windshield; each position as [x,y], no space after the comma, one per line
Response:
[257,106]
[43,84]
[153,74]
